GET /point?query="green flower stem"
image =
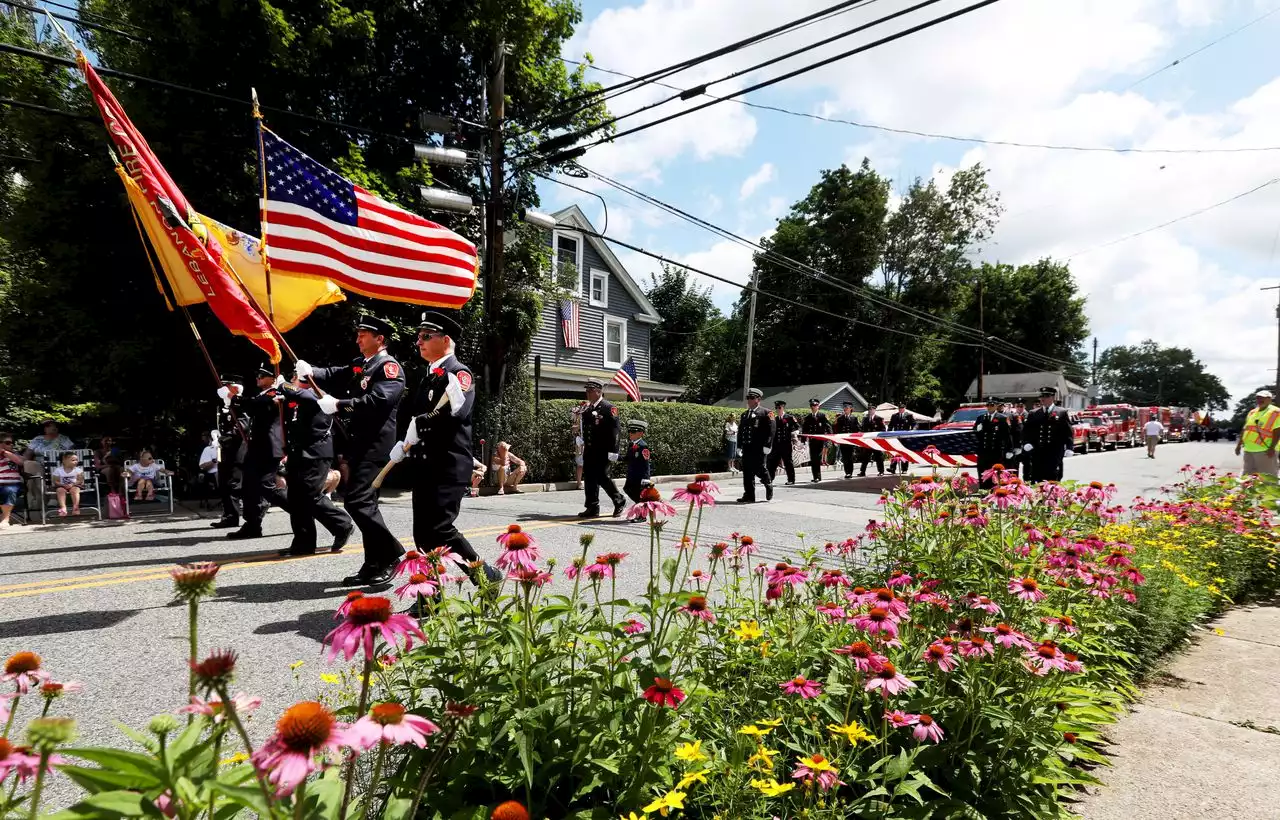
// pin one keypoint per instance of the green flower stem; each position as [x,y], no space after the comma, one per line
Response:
[229,709]
[430,768]
[39,787]
[13,713]
[365,678]
[217,757]
[373,783]
[299,800]
[193,609]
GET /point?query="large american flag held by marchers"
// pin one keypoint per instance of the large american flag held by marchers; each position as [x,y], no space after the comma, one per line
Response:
[938,448]
[317,222]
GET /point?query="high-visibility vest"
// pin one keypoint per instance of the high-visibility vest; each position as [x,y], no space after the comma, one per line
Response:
[1259,427]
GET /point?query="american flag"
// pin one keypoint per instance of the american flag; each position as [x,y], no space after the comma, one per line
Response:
[569,322]
[940,448]
[318,223]
[626,379]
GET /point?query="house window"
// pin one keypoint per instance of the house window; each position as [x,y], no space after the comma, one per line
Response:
[599,293]
[615,341]
[568,250]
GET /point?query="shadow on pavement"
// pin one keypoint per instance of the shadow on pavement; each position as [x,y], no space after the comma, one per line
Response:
[86,621]
[220,557]
[532,516]
[313,625]
[280,592]
[142,542]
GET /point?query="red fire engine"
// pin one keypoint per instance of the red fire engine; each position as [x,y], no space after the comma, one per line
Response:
[1164,415]
[1124,418]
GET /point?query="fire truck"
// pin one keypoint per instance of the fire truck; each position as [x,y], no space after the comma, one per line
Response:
[963,417]
[1124,421]
[1180,419]
[1164,415]
[1105,434]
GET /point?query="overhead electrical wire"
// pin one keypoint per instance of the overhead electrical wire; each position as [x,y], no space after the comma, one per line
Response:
[93,14]
[77,20]
[1204,47]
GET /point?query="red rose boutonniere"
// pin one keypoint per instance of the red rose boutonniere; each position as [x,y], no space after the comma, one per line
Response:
[437,371]
[357,370]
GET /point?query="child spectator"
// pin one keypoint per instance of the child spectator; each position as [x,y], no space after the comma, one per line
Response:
[10,478]
[639,468]
[68,478]
[730,441]
[477,475]
[575,427]
[510,468]
[142,476]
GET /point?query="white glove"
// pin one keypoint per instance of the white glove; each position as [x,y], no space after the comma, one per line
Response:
[1009,454]
[397,453]
[328,404]
[302,370]
[455,394]
[577,440]
[768,450]
[411,435]
[224,393]
[1026,448]
[1068,452]
[214,435]
[613,456]
[279,382]
[739,454]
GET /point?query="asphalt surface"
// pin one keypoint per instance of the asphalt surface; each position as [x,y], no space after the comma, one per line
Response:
[95,600]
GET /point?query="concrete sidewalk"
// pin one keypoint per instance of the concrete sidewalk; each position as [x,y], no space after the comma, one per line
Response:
[1205,739]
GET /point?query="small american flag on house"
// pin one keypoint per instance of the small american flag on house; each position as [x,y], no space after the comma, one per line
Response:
[626,379]
[569,322]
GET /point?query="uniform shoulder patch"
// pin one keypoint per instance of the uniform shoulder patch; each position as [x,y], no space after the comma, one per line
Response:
[645,453]
[464,380]
[614,410]
[391,370]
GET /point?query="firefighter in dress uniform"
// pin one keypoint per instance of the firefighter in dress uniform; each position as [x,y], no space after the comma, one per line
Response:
[995,440]
[438,443]
[639,459]
[599,450]
[258,490]
[785,426]
[847,422]
[309,445]
[1046,438]
[900,420]
[755,442]
[872,423]
[232,437]
[816,423]
[369,391]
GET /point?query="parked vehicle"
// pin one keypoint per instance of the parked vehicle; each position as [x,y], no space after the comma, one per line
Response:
[1125,419]
[1162,414]
[1081,433]
[1102,432]
[963,417]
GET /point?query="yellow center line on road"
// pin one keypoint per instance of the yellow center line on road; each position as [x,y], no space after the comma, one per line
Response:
[238,561]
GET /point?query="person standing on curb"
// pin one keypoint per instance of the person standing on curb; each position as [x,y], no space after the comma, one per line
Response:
[785,427]
[639,459]
[1153,430]
[599,450]
[730,442]
[755,441]
[816,423]
[1258,439]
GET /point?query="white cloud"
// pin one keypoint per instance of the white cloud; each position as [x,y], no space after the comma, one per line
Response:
[763,176]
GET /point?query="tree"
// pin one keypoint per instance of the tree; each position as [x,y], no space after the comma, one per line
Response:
[678,346]
[1245,405]
[1150,374]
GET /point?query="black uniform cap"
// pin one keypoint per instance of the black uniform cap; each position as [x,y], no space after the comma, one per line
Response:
[375,325]
[814,401]
[779,403]
[265,369]
[594,382]
[847,403]
[992,400]
[228,378]
[1048,391]
[438,322]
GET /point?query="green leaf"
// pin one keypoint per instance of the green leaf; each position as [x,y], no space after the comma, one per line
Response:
[250,797]
[102,780]
[112,804]
[147,769]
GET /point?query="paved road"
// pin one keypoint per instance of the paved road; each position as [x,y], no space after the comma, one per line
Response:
[95,600]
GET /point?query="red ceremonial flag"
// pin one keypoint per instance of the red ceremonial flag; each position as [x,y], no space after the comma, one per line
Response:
[204,262]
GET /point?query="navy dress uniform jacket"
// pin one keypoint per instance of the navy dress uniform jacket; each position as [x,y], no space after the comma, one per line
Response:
[599,431]
[444,450]
[368,392]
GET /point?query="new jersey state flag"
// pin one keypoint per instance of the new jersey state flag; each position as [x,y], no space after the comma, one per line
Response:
[202,265]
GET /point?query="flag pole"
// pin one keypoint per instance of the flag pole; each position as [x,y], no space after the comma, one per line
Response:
[262,203]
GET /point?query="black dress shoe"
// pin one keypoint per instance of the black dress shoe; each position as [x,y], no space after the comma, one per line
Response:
[589,514]
[746,500]
[618,507]
[380,577]
[244,533]
[359,578]
[224,523]
[340,540]
[789,483]
[848,475]
[768,492]
[292,553]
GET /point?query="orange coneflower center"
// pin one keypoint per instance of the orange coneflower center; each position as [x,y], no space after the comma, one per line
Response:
[861,649]
[978,642]
[354,595]
[1047,650]
[662,685]
[51,689]
[925,720]
[304,726]
[971,511]
[510,810]
[5,748]
[859,590]
[216,666]
[412,555]
[747,540]
[1004,629]
[798,681]
[418,578]
[369,610]
[650,494]
[936,652]
[697,573]
[693,489]
[517,541]
[1000,492]
[697,603]
[984,600]
[1069,737]
[997,466]
[1066,620]
[885,595]
[702,477]
[387,714]
[21,662]
[948,641]
[878,614]
[1070,657]
[887,671]
[1030,584]
[513,528]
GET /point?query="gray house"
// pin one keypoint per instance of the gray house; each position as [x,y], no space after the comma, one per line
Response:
[1023,386]
[832,395]
[614,319]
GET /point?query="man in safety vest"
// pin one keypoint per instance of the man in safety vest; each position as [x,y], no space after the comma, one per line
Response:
[1258,440]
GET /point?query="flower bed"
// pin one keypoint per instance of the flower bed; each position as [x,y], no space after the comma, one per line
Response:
[957,659]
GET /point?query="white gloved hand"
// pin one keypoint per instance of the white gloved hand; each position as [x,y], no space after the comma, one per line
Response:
[397,453]
[411,435]
[328,404]
[279,382]
[1009,454]
[302,370]
[224,393]
[613,456]
[768,450]
[214,435]
[455,393]
[1068,452]
[739,454]
[577,440]
[1026,448]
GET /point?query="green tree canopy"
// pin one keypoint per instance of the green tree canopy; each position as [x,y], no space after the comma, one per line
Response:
[1150,374]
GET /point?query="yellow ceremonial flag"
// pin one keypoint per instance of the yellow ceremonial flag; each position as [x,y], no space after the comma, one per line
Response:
[293,296]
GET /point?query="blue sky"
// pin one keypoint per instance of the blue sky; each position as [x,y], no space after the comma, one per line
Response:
[1024,70]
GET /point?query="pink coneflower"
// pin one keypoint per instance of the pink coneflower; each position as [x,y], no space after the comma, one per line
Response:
[1008,637]
[1002,498]
[801,686]
[746,546]
[963,626]
[817,769]
[697,608]
[886,599]
[304,731]
[345,607]
[576,566]
[996,473]
[1118,558]
[832,610]
[529,577]
[982,602]
[519,550]
[927,729]
[943,517]
[633,626]
[899,719]
[367,617]
[1033,535]
[963,483]
[419,584]
[877,620]
[413,561]
[389,723]
[834,578]
[942,602]
[52,689]
[718,550]
[23,670]
[1072,662]
[14,759]
[898,578]
[1064,622]
[164,803]
[1028,589]
[787,574]
[942,655]
[863,656]
[244,704]
[664,693]
[650,506]
[974,517]
[888,680]
[1127,594]
[1047,656]
[695,495]
[975,647]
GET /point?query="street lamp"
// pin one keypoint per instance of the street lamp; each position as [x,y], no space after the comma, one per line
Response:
[438,155]
[443,200]
[538,219]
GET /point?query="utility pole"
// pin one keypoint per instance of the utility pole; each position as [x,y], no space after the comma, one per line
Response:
[1094,376]
[1277,379]
[982,345]
[751,330]
[494,215]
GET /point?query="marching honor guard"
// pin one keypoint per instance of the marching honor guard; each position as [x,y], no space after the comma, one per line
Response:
[847,422]
[1047,438]
[816,423]
[785,426]
[309,444]
[438,443]
[872,423]
[900,420]
[755,442]
[232,435]
[995,440]
[262,457]
[370,388]
[599,450]
[639,459]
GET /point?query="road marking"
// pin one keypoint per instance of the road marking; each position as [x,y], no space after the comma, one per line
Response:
[238,561]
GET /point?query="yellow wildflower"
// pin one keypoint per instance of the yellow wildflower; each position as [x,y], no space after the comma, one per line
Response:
[632,816]
[764,649]
[748,631]
[817,763]
[664,804]
[772,788]
[763,758]
[693,777]
[690,751]
[852,733]
[330,678]
[1219,633]
[754,731]
[774,722]
[296,664]
[238,757]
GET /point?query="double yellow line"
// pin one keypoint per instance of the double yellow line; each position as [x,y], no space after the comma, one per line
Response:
[107,579]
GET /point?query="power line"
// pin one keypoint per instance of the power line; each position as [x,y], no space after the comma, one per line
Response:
[603,204]
[46,109]
[82,12]
[1206,209]
[1208,45]
[78,21]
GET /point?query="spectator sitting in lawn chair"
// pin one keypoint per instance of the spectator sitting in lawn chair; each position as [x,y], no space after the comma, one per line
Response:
[68,479]
[511,469]
[48,442]
[142,476]
[10,478]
